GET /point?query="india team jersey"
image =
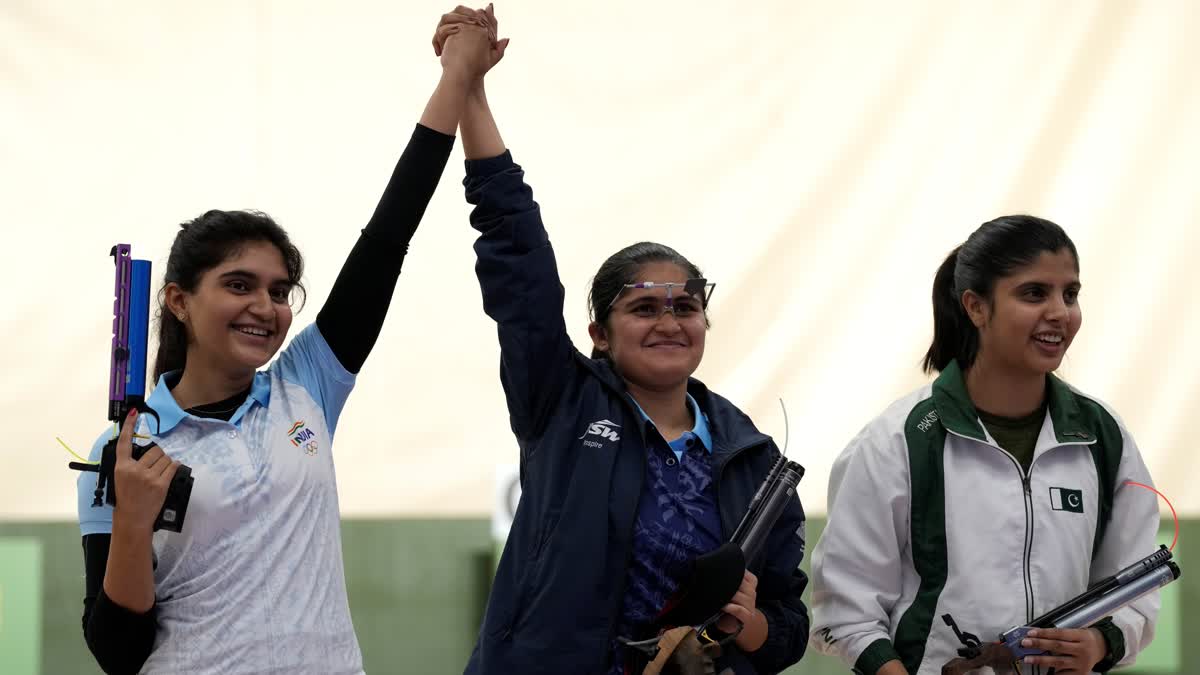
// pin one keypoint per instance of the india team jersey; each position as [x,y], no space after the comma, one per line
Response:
[254,583]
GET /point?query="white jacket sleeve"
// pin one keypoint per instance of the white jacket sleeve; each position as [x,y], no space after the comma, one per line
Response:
[1131,535]
[857,562]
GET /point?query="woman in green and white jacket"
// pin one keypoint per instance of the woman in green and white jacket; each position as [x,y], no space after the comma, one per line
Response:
[993,494]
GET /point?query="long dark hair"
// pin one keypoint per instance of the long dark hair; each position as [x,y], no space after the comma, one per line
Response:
[200,245]
[998,248]
[621,268]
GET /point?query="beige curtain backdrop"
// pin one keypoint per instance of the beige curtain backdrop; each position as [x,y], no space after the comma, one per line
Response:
[816,159]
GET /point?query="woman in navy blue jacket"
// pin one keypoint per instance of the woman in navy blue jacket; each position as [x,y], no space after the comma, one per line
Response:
[630,468]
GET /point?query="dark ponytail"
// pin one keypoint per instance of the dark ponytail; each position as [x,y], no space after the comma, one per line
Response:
[997,249]
[622,268]
[953,334]
[200,245]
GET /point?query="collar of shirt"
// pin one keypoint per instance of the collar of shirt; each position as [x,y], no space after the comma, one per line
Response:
[170,414]
[699,429]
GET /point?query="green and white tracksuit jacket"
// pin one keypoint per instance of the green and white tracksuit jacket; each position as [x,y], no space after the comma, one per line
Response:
[929,516]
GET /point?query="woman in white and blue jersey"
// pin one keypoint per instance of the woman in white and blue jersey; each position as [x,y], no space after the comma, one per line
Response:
[255,580]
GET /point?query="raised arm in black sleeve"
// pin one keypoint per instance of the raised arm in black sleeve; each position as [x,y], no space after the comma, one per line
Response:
[353,315]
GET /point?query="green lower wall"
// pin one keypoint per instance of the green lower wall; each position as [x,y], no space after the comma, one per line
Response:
[417,589]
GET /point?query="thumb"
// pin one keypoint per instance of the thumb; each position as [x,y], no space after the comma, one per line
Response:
[500,47]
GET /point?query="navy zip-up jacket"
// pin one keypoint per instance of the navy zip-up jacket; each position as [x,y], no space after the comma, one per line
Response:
[557,592]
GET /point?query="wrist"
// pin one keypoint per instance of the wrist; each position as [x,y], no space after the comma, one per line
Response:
[1114,644]
[128,530]
[476,93]
[457,78]
[754,633]
[1101,646]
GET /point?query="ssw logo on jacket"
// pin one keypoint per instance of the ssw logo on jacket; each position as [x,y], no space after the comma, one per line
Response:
[603,429]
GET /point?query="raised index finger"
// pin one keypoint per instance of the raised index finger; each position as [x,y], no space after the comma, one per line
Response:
[125,438]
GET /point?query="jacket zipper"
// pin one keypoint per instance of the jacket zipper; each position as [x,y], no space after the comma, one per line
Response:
[1028,548]
[1027,552]
[1025,478]
[615,612]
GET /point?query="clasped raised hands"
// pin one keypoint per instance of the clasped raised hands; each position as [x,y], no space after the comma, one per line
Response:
[466,40]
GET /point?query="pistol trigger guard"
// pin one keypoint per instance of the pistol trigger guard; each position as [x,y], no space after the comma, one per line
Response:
[144,409]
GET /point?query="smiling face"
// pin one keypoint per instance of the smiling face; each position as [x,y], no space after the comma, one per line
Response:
[1032,317]
[650,346]
[240,311]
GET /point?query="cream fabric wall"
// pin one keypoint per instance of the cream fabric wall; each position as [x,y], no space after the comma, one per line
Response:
[816,159]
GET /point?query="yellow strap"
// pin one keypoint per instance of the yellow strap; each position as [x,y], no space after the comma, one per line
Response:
[82,459]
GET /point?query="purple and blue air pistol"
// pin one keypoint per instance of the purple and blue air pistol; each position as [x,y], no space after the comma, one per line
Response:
[127,386]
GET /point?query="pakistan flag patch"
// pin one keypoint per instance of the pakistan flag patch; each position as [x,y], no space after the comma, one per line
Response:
[1066,499]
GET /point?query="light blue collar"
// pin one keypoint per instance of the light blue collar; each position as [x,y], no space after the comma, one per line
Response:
[170,414]
[699,429]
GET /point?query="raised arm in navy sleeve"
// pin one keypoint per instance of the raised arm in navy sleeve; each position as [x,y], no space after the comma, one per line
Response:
[521,290]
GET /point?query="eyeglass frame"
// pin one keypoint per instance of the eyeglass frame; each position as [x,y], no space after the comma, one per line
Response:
[695,283]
